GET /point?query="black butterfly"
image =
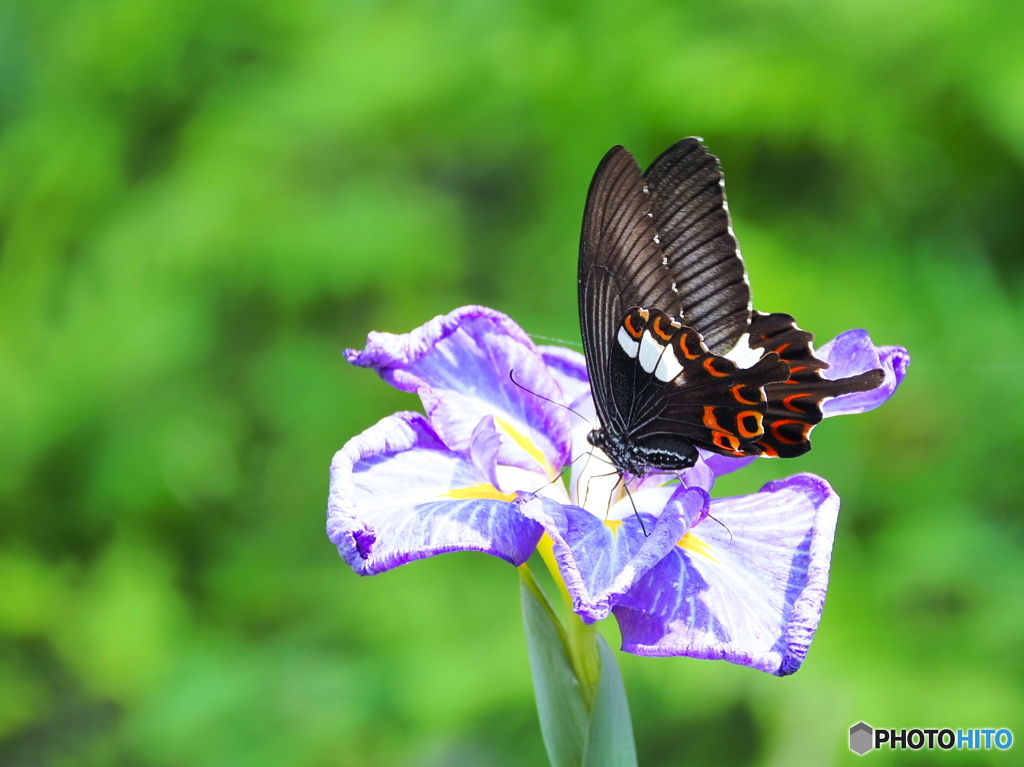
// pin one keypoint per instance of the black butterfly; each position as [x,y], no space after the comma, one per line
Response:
[677,357]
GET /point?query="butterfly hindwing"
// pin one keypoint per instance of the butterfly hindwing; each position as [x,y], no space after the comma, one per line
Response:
[667,385]
[794,405]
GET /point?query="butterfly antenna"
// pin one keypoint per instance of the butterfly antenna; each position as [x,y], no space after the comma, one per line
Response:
[631,503]
[577,344]
[541,396]
[723,525]
[561,474]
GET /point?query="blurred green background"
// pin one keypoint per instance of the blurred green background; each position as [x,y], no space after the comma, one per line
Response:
[203,203]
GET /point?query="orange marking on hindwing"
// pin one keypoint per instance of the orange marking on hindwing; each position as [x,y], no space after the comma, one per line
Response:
[711,420]
[659,332]
[767,449]
[686,349]
[737,389]
[628,324]
[758,429]
[709,365]
[787,402]
[805,428]
[782,348]
[731,443]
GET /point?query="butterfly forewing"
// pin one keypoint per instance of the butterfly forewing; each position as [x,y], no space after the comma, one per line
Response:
[709,289]
[619,260]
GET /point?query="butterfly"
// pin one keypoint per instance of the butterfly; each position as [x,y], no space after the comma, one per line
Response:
[677,357]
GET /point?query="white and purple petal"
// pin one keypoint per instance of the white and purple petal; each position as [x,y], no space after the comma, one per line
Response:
[852,353]
[746,585]
[461,364]
[600,561]
[724,464]
[570,371]
[398,494]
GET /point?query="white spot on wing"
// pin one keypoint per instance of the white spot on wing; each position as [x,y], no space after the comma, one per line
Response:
[650,351]
[742,354]
[668,366]
[629,344]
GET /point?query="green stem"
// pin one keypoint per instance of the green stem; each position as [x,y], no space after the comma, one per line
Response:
[581,639]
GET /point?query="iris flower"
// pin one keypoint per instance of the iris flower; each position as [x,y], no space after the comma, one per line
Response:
[740,579]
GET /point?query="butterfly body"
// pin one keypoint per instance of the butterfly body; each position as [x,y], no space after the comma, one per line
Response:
[676,355]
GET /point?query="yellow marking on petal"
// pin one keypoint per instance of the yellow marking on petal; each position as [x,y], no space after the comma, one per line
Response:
[546,549]
[691,542]
[526,444]
[479,492]
[613,525]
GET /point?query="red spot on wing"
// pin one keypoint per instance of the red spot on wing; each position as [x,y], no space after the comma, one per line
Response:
[657,329]
[787,402]
[738,392]
[686,349]
[709,365]
[804,430]
[726,442]
[745,431]
[711,420]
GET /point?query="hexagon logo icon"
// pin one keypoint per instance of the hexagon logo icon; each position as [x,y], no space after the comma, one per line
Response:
[862,738]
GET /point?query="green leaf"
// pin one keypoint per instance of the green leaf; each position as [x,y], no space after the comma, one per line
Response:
[610,740]
[575,734]
[564,718]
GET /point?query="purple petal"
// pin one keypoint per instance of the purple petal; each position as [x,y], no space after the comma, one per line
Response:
[599,561]
[852,353]
[723,464]
[460,364]
[570,371]
[484,448]
[747,585]
[391,501]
